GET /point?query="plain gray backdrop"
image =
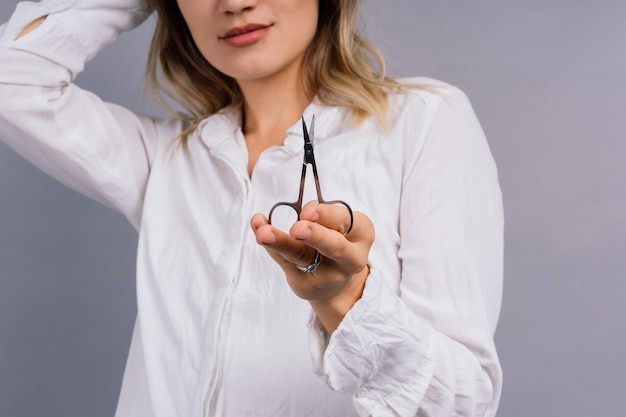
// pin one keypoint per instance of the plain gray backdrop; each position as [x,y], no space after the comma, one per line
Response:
[547,80]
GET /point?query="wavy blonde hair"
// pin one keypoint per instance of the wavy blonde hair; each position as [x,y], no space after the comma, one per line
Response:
[340,67]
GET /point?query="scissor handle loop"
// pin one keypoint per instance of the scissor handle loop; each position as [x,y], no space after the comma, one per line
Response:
[295,206]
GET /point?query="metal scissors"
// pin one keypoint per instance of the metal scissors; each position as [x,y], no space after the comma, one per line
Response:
[309,158]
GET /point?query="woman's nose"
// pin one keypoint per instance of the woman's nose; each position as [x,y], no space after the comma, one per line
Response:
[236,6]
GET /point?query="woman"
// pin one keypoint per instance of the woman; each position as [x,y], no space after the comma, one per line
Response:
[399,325]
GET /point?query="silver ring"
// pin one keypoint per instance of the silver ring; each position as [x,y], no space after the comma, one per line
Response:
[313,266]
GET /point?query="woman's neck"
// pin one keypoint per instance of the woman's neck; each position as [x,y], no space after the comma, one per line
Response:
[270,107]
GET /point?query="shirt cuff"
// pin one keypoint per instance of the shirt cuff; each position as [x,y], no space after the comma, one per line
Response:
[381,354]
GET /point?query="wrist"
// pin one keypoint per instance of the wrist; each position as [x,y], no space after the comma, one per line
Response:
[331,311]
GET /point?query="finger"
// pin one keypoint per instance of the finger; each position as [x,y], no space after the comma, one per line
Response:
[333,216]
[337,217]
[362,229]
[348,256]
[263,235]
[258,220]
[283,248]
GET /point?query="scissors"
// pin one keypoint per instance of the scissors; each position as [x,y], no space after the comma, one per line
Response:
[309,158]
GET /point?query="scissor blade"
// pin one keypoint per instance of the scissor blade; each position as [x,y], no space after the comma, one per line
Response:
[308,137]
[308,145]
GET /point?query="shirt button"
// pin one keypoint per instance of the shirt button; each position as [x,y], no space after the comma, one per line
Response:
[362,392]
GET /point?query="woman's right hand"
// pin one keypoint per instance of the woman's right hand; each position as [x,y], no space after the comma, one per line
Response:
[334,287]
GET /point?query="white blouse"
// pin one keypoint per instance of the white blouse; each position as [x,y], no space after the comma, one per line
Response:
[218,331]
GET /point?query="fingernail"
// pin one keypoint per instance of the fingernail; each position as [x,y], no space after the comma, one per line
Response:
[271,238]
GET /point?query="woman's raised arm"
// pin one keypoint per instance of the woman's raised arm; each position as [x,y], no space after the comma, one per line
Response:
[99,149]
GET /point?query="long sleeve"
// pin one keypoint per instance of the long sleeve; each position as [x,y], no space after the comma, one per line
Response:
[99,149]
[424,345]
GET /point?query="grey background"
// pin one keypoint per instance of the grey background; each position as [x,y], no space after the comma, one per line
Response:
[547,79]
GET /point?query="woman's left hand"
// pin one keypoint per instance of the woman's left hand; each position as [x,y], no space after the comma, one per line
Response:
[338,281]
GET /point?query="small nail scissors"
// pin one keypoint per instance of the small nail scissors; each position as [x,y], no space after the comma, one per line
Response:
[309,158]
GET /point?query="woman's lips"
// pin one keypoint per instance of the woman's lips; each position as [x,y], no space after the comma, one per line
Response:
[245,35]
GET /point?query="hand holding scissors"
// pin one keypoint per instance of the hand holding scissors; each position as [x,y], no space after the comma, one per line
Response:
[309,159]
[328,232]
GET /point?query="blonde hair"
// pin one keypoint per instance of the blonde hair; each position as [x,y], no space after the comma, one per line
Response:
[340,67]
